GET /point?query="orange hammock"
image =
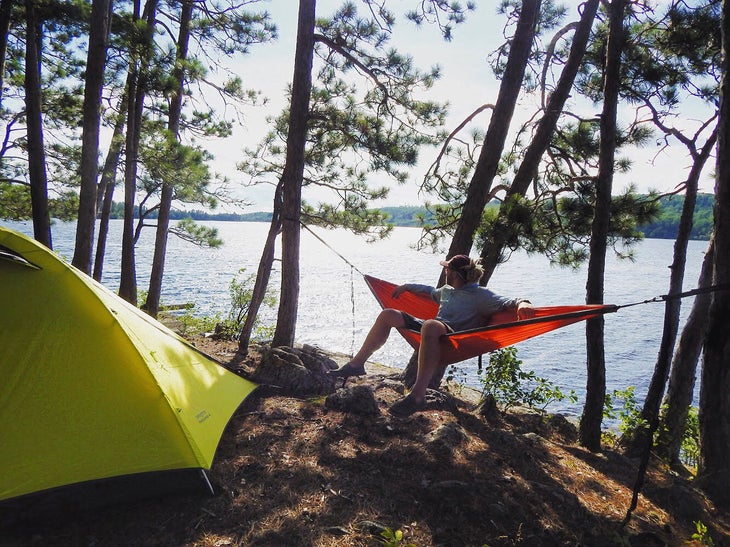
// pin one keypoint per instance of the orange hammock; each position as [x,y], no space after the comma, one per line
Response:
[503,330]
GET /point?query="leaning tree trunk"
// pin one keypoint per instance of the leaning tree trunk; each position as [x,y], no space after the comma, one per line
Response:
[494,246]
[293,175]
[154,292]
[488,162]
[640,440]
[34,117]
[263,274]
[106,188]
[684,366]
[499,124]
[590,423]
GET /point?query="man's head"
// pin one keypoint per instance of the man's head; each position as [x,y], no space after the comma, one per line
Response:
[468,269]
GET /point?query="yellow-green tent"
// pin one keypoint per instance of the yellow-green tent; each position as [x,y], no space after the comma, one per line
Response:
[92,388]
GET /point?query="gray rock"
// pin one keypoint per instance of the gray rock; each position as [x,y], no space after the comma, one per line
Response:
[450,434]
[299,370]
[359,399]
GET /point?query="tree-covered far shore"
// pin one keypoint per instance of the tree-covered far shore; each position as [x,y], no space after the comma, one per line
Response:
[665,227]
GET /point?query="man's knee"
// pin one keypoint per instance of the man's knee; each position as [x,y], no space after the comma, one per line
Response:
[433,328]
[391,317]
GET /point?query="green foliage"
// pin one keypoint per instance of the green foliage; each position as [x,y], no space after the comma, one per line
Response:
[240,290]
[229,327]
[394,538]
[560,228]
[218,32]
[702,534]
[191,323]
[14,201]
[204,236]
[505,380]
[690,450]
[442,13]
[364,121]
[628,414]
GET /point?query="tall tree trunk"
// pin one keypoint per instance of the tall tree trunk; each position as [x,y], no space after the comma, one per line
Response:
[499,124]
[293,175]
[263,274]
[684,366]
[641,439]
[136,87]
[6,7]
[494,247]
[96,61]
[590,423]
[106,187]
[714,467]
[34,116]
[152,304]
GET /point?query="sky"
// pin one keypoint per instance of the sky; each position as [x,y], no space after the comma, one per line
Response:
[467,82]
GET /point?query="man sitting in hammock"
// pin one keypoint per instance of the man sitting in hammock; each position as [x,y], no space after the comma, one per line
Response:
[463,305]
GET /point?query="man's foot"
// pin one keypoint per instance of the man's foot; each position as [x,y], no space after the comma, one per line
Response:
[346,371]
[406,406]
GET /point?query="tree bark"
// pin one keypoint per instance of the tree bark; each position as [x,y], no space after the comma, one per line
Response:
[713,473]
[684,366]
[6,7]
[499,123]
[488,162]
[642,438]
[106,187]
[263,274]
[34,117]
[136,88]
[95,64]
[293,175]
[590,423]
[494,247]
[152,304]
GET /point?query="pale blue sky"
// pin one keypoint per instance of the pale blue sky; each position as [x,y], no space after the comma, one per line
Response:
[467,82]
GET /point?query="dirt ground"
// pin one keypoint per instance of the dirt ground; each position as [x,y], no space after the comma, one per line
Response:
[291,472]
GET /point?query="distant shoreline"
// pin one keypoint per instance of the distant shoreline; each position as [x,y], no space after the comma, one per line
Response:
[665,227]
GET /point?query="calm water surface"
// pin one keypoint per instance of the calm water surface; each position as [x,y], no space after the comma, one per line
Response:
[336,308]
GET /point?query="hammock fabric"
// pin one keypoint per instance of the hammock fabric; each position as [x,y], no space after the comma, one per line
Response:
[503,330]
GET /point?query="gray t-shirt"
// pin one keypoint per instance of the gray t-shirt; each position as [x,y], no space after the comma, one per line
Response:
[469,307]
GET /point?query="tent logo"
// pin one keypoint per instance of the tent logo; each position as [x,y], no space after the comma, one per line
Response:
[202,416]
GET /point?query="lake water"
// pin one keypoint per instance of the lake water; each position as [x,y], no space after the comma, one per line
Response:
[336,308]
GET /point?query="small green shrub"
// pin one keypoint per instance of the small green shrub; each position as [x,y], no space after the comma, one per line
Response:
[394,538]
[628,414]
[702,534]
[689,453]
[240,291]
[630,420]
[505,380]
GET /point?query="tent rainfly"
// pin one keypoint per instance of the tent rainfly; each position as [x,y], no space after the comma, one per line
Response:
[92,388]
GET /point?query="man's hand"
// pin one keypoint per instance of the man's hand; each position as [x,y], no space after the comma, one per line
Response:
[525,310]
[398,291]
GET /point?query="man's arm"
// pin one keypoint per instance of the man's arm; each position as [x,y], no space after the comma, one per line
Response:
[415,287]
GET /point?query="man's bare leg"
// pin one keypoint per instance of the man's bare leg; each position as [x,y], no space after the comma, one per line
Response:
[376,337]
[429,357]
